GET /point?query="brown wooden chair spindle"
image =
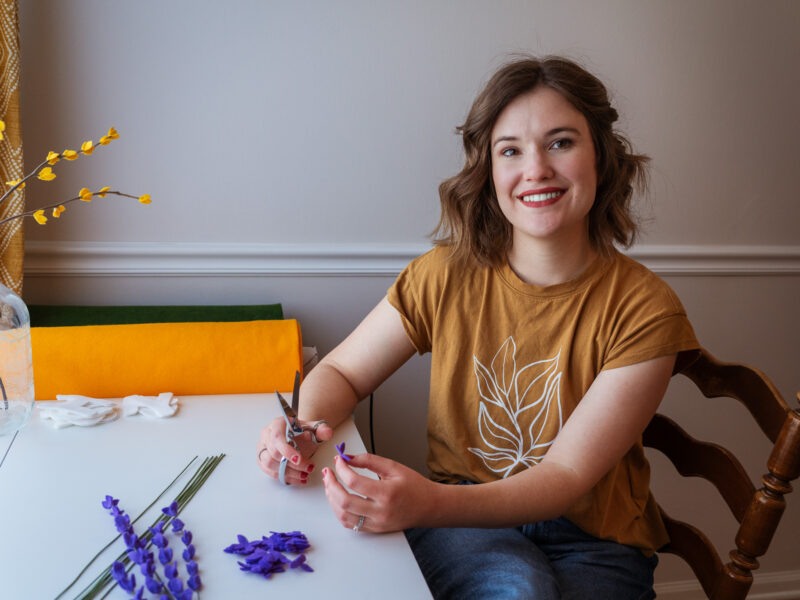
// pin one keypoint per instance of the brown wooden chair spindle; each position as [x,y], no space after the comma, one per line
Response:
[758,511]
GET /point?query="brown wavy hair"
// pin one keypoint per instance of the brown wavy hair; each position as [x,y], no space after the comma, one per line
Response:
[471,222]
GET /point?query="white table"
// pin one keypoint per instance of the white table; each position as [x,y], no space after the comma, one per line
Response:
[52,523]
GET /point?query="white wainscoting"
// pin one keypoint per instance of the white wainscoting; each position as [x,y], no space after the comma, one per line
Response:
[174,259]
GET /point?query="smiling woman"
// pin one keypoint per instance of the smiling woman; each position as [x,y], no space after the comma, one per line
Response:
[550,353]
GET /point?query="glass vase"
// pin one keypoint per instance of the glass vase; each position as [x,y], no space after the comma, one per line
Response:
[16,364]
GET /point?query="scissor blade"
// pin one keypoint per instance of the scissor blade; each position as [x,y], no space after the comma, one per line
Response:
[288,413]
[292,428]
[296,392]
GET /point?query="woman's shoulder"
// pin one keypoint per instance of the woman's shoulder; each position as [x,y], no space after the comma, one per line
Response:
[441,260]
[638,280]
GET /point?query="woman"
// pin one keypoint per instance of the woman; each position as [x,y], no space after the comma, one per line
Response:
[550,353]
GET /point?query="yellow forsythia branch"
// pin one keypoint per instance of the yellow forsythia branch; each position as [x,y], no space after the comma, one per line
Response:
[44,172]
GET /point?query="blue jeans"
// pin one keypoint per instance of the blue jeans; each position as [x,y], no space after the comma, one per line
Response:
[547,560]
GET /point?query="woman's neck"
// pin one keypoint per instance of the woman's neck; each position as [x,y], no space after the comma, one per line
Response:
[546,264]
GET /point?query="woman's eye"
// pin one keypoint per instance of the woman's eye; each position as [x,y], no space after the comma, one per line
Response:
[561,144]
[508,152]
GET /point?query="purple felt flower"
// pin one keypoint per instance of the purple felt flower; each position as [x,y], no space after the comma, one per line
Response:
[300,563]
[171,510]
[110,503]
[175,585]
[121,577]
[138,555]
[186,538]
[153,585]
[159,540]
[243,547]
[171,571]
[194,582]
[157,527]
[131,540]
[148,569]
[122,523]
[188,554]
[191,567]
[177,525]
[340,450]
[165,556]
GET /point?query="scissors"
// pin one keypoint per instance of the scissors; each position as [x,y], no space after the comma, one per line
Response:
[293,428]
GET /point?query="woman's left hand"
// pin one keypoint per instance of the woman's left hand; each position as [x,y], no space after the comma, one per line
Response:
[402,497]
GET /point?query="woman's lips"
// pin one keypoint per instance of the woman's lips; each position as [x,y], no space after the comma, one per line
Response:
[541,197]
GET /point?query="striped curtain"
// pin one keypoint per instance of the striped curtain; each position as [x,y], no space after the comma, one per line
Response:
[11,234]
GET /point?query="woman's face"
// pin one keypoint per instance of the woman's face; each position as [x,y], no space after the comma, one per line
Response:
[543,168]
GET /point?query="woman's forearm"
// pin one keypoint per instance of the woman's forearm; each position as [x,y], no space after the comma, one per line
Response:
[543,492]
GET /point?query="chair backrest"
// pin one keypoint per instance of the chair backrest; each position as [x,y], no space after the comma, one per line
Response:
[758,511]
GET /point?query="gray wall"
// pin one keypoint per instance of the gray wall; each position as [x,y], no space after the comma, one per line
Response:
[293,151]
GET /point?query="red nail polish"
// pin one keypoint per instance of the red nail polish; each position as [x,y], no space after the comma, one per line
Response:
[295,459]
[310,468]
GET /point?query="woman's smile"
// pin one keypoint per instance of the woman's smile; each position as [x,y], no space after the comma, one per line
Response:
[542,197]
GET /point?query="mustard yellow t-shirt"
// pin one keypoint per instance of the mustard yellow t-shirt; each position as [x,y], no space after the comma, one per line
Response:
[511,361]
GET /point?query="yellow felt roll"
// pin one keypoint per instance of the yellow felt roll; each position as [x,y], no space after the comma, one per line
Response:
[112,361]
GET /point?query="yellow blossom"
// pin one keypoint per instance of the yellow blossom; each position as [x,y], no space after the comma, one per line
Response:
[145,199]
[69,154]
[46,174]
[111,135]
[85,194]
[2,128]
[58,210]
[15,182]
[87,147]
[102,192]
[53,157]
[40,218]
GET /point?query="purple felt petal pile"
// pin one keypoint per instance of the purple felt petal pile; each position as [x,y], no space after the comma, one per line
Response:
[266,556]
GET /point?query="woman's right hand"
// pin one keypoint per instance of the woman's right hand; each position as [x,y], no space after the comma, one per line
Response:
[272,447]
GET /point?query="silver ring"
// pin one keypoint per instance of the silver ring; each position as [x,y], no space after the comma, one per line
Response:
[360,523]
[282,471]
[260,452]
[314,430]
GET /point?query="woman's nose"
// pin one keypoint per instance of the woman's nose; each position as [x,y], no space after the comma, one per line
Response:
[537,166]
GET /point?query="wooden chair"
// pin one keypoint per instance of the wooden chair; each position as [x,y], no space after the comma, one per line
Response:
[758,511]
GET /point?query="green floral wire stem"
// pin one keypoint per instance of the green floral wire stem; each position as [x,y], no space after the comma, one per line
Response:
[186,494]
[108,545]
[96,587]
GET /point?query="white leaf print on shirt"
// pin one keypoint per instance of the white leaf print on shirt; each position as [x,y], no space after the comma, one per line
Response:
[534,387]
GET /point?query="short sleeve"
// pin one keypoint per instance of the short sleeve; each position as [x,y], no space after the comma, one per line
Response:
[407,295]
[655,325]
